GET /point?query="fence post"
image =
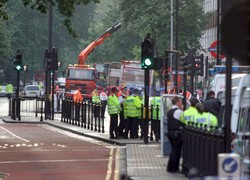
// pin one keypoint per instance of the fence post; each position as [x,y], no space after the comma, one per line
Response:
[92,115]
[85,114]
[152,124]
[100,114]
[36,107]
[10,104]
[41,117]
[96,114]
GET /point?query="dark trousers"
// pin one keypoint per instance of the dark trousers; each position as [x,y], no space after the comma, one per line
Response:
[156,129]
[113,125]
[104,104]
[131,126]
[96,111]
[122,124]
[174,158]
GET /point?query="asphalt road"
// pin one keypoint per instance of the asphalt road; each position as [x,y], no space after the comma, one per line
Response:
[29,152]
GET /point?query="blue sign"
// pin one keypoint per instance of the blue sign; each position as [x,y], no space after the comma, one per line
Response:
[229,165]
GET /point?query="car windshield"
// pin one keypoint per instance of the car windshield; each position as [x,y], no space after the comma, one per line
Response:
[81,74]
[32,88]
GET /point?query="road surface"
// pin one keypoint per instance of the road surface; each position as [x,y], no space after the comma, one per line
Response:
[29,152]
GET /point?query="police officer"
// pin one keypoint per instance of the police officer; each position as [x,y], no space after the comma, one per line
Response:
[113,110]
[131,106]
[123,118]
[95,100]
[174,134]
[188,115]
[156,115]
[138,121]
[204,118]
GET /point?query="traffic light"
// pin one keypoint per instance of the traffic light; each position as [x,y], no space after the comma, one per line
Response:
[47,60]
[183,63]
[147,53]
[54,59]
[199,65]
[18,61]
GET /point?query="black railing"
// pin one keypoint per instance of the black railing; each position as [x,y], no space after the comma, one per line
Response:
[84,114]
[201,146]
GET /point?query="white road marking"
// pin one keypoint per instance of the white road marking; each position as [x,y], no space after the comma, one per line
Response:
[54,161]
[76,136]
[109,171]
[18,137]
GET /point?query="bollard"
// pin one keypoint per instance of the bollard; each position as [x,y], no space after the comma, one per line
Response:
[13,111]
[10,100]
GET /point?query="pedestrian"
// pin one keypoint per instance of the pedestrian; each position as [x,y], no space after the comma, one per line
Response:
[9,90]
[174,134]
[113,110]
[188,115]
[131,106]
[95,101]
[138,119]
[212,104]
[155,104]
[123,118]
[77,97]
[204,118]
[104,100]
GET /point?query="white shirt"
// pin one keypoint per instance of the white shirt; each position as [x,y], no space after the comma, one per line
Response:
[103,96]
[177,113]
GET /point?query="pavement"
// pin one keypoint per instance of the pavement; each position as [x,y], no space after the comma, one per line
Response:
[136,159]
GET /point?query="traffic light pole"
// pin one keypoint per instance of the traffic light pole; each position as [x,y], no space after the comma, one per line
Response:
[176,45]
[17,96]
[185,88]
[218,33]
[146,105]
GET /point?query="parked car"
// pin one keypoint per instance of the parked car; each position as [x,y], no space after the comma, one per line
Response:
[32,91]
[3,92]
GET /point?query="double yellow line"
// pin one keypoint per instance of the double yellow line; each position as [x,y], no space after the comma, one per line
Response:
[110,164]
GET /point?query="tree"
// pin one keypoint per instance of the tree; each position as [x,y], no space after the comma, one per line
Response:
[65,7]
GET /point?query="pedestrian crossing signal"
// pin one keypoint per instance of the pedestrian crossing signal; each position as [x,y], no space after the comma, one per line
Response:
[18,61]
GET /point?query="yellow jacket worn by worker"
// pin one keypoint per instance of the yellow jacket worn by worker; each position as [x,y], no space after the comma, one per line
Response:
[205,119]
[188,115]
[95,97]
[131,106]
[9,88]
[139,101]
[156,102]
[113,105]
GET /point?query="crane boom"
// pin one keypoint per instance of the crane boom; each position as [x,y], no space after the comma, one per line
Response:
[96,42]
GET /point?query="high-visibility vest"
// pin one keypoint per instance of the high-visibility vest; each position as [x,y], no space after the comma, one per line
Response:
[95,97]
[113,105]
[9,88]
[139,102]
[77,96]
[188,115]
[156,101]
[206,119]
[131,105]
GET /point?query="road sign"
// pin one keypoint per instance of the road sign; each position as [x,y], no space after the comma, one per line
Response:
[229,165]
[213,50]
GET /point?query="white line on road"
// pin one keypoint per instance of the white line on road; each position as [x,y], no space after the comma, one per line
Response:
[54,161]
[109,171]
[18,137]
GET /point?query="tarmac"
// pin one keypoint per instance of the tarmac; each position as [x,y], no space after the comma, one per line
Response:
[137,160]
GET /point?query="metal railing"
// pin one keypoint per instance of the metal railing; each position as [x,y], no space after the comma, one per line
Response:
[84,114]
[201,146]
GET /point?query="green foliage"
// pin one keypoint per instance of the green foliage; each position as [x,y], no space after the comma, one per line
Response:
[65,7]
[140,18]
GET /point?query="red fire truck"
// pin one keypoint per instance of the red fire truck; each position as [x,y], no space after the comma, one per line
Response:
[81,75]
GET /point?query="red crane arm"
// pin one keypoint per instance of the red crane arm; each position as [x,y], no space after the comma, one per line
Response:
[82,57]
